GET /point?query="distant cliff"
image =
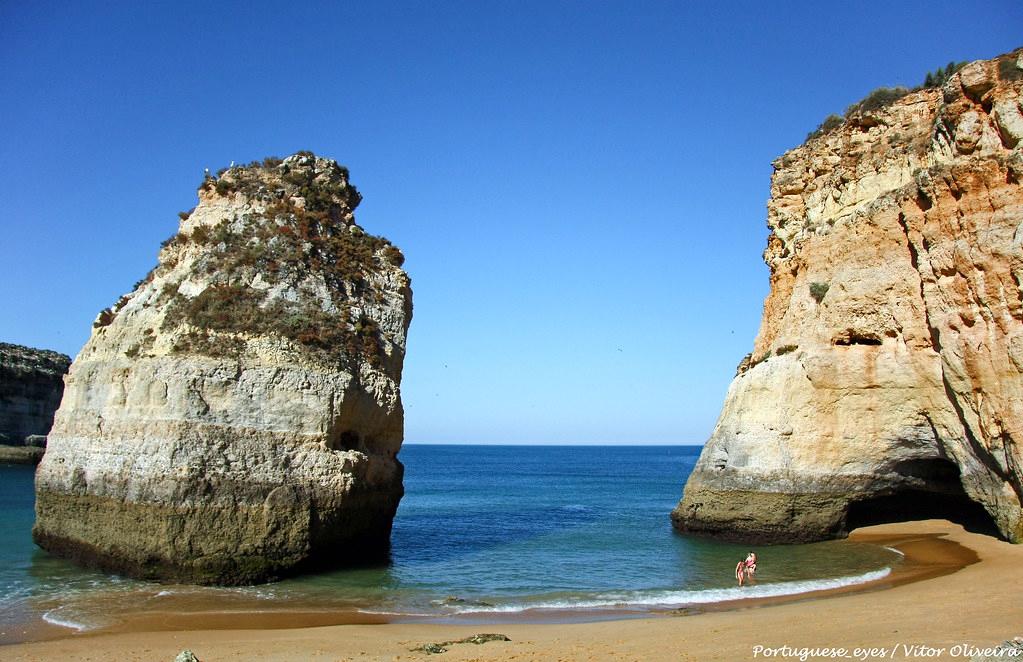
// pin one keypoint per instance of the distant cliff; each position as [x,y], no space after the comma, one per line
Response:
[237,416]
[885,381]
[31,384]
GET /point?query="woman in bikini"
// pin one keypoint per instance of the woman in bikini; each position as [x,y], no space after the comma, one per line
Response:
[751,564]
[740,571]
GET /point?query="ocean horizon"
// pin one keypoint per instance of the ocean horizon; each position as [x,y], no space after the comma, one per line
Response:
[484,533]
[542,444]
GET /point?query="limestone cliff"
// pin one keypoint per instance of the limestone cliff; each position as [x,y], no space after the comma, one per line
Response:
[31,383]
[885,379]
[237,416]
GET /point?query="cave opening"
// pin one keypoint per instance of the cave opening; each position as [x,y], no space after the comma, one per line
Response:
[346,440]
[933,490]
[857,339]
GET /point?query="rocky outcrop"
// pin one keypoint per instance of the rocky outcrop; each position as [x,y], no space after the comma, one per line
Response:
[237,416]
[885,379]
[31,384]
[20,454]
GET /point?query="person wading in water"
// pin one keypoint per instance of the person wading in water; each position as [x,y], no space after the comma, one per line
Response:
[740,571]
[751,564]
[746,568]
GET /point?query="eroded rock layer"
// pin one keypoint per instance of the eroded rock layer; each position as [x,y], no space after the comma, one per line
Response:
[237,416]
[885,379]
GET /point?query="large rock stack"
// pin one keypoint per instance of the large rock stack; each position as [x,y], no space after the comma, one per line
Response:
[885,381]
[237,416]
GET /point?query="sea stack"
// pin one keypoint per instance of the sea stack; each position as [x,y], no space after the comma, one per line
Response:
[885,381]
[237,416]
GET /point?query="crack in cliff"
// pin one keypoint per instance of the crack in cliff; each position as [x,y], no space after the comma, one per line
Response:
[979,449]
[942,450]
[914,260]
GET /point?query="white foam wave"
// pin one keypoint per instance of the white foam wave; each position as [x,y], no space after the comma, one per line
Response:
[402,614]
[892,549]
[55,617]
[668,599]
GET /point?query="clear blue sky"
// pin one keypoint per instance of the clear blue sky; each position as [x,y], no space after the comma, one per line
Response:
[579,187]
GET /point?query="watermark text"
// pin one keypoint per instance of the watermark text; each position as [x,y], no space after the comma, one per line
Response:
[899,652]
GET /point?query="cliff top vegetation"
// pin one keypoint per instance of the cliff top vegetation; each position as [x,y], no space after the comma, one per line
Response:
[885,96]
[285,258]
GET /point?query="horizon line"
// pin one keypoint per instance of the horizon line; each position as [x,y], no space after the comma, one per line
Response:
[540,443]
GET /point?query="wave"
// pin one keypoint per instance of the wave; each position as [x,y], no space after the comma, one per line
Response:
[53,617]
[669,599]
[73,618]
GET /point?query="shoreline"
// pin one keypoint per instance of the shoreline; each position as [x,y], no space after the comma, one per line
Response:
[926,556]
[926,600]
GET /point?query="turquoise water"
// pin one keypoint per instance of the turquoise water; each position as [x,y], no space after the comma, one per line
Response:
[484,532]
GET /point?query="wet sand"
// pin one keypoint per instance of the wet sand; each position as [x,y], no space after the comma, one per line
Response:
[954,589]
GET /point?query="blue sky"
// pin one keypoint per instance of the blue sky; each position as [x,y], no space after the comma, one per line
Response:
[579,187]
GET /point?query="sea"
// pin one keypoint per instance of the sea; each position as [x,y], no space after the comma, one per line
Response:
[484,534]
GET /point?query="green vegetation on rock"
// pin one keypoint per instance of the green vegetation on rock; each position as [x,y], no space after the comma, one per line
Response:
[291,263]
[223,314]
[878,98]
[830,123]
[885,96]
[818,291]
[938,77]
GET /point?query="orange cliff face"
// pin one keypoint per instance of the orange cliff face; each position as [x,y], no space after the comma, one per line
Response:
[885,382]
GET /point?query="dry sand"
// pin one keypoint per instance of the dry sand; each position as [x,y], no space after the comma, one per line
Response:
[956,589]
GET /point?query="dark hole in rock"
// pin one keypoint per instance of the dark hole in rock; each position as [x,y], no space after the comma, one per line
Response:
[937,494]
[853,338]
[347,441]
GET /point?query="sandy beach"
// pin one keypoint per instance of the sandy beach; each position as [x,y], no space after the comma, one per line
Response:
[955,590]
